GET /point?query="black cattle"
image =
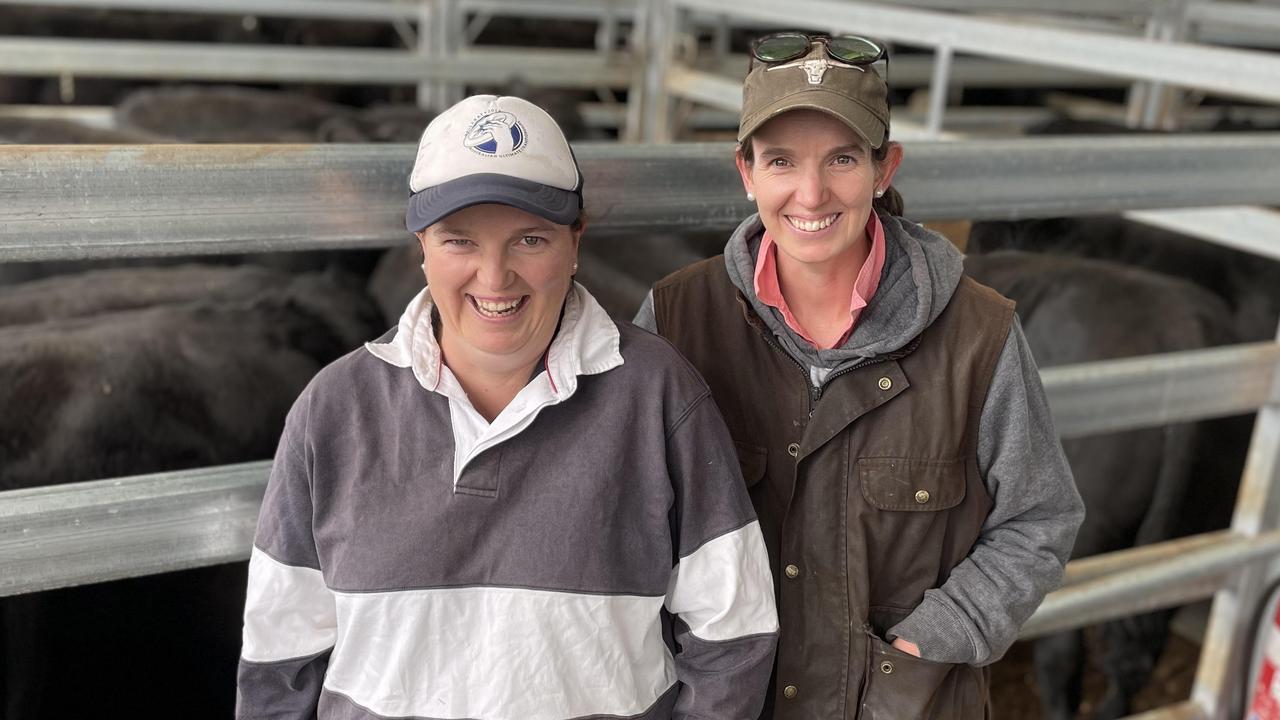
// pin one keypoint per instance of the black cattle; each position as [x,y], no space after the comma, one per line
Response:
[1137,485]
[381,123]
[226,114]
[204,377]
[1246,282]
[48,131]
[112,290]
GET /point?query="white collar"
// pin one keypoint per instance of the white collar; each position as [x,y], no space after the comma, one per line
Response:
[587,343]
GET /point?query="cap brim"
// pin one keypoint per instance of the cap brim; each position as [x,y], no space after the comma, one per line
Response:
[432,204]
[853,113]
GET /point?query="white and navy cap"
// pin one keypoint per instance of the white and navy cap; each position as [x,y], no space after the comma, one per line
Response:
[491,149]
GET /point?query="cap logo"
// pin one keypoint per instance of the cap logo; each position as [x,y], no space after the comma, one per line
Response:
[814,68]
[496,133]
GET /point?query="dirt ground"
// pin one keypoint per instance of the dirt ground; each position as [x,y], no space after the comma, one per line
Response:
[1014,694]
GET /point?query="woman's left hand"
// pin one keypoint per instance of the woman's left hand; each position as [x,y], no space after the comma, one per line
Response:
[907,646]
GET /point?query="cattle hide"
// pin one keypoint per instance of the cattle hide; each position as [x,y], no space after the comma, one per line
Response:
[226,114]
[1246,282]
[381,123]
[112,290]
[50,131]
[132,390]
[1136,484]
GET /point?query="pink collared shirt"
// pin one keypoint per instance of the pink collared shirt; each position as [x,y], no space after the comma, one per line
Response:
[769,290]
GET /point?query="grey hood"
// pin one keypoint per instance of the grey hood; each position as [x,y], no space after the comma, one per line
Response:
[921,271]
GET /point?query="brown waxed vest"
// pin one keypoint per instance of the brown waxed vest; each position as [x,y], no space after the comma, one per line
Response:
[867,495]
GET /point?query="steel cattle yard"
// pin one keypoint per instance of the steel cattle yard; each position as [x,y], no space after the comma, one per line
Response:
[84,202]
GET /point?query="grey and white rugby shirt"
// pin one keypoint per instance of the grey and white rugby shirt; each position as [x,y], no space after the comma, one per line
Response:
[414,561]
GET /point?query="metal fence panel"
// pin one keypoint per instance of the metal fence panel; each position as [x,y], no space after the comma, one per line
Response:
[110,529]
[74,202]
[264,63]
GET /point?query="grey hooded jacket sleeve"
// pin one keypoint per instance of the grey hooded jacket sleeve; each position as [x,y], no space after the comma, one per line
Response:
[1026,539]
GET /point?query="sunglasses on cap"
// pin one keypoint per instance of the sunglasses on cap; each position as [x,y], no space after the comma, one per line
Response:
[849,49]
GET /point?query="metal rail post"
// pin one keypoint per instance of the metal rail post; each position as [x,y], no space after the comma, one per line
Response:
[439,28]
[1151,102]
[659,42]
[1221,672]
[938,89]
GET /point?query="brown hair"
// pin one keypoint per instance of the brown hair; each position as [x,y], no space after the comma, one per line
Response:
[891,202]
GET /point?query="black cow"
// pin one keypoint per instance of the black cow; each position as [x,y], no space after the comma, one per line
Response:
[226,114]
[1246,282]
[1136,484]
[49,131]
[203,377]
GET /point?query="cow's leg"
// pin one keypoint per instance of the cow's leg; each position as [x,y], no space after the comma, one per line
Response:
[1059,663]
[25,667]
[1130,648]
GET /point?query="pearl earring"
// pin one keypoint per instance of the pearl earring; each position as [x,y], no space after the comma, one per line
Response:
[879,192]
[751,196]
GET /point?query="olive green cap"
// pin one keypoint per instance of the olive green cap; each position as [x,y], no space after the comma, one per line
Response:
[853,93]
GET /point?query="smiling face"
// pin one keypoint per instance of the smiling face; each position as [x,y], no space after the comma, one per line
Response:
[498,277]
[814,180]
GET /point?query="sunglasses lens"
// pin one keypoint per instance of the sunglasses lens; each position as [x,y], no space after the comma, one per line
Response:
[776,48]
[851,48]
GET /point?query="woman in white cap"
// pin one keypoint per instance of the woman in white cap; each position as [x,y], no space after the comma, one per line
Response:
[887,413]
[509,506]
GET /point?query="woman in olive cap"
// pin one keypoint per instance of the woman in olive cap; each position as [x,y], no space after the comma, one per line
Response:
[887,413]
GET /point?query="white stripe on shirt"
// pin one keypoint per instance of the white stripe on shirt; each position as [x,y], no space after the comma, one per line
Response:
[289,612]
[495,652]
[724,589]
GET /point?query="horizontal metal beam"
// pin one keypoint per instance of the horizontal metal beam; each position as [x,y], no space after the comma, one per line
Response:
[1185,710]
[1083,7]
[1161,389]
[913,70]
[1238,14]
[111,529]
[1238,73]
[77,202]
[1194,575]
[385,10]
[561,9]
[261,63]
[1113,563]
[1251,229]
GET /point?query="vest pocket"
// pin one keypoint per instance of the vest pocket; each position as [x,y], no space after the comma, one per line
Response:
[754,461]
[911,485]
[904,687]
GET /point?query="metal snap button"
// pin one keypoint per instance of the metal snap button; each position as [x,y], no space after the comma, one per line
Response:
[792,571]
[790,692]
[922,496]
[885,383]
[793,449]
[886,667]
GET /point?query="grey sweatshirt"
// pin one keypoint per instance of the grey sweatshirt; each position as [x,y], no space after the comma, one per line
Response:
[413,561]
[1027,538]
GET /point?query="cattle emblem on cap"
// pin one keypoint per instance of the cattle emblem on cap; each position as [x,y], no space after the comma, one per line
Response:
[815,68]
[496,133]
